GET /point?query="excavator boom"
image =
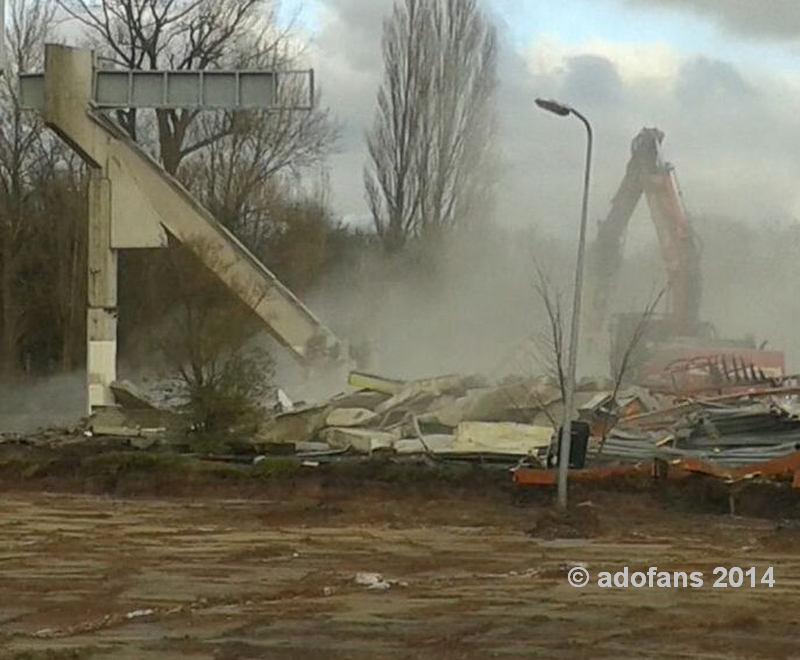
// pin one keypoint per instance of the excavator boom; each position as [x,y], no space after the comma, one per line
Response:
[647,174]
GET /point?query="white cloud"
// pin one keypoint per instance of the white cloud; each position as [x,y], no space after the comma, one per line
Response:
[634,62]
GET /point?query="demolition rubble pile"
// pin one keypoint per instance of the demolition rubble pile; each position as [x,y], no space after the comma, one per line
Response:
[510,423]
[515,421]
[447,417]
[744,431]
[456,417]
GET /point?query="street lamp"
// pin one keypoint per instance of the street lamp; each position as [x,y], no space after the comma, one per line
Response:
[569,387]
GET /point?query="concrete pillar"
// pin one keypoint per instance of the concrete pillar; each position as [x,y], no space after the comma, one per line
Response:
[101,326]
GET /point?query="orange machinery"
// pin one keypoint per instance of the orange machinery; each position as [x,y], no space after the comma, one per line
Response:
[676,351]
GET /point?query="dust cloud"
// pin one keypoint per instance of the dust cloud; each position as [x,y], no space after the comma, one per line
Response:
[469,306]
[474,307]
[54,402]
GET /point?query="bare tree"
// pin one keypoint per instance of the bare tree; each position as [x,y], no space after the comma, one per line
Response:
[626,360]
[459,123]
[58,264]
[396,143]
[21,154]
[549,343]
[204,34]
[211,344]
[433,119]
[232,175]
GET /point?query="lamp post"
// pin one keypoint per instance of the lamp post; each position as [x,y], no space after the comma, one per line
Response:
[569,387]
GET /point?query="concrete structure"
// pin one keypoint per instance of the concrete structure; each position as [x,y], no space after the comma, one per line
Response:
[133,203]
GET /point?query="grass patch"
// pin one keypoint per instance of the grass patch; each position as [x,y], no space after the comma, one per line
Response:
[128,462]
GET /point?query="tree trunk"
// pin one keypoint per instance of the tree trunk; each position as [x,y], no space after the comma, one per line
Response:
[9,358]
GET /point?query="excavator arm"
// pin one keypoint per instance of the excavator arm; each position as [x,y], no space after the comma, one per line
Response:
[647,174]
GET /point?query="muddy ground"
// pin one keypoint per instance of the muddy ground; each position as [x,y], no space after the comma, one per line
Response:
[141,564]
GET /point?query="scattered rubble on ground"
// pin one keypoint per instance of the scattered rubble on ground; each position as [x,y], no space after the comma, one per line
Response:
[510,424]
[374,581]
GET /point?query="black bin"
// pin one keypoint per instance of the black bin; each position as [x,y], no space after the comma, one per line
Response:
[578,445]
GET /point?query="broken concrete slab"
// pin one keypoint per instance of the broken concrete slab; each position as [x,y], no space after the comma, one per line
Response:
[365,381]
[300,425]
[508,438]
[435,443]
[363,441]
[359,399]
[348,417]
[417,395]
[512,401]
[127,395]
[121,422]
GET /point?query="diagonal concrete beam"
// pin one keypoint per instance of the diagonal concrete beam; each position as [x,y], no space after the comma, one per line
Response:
[132,202]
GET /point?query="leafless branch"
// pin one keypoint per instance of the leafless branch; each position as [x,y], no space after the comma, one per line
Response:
[625,360]
[551,345]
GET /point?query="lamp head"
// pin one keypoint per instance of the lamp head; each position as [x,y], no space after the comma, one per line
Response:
[554,106]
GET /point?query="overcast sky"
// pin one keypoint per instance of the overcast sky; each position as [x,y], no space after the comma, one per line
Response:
[720,78]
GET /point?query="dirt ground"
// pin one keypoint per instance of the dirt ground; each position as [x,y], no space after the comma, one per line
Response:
[470,574]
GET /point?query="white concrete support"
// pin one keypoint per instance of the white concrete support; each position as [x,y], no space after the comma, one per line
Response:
[101,320]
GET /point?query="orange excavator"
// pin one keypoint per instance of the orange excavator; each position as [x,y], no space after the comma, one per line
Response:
[673,352]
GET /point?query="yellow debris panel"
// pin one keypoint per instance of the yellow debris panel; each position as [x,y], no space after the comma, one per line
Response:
[500,438]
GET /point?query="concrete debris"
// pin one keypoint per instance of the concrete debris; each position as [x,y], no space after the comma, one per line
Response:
[358,399]
[372,581]
[128,396]
[363,441]
[150,423]
[511,424]
[417,395]
[350,417]
[147,441]
[454,416]
[437,444]
[285,404]
[508,438]
[301,425]
[509,402]
[365,381]
[376,581]
[464,417]
[136,614]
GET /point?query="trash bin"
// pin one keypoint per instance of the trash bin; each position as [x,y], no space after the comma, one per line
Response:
[578,445]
